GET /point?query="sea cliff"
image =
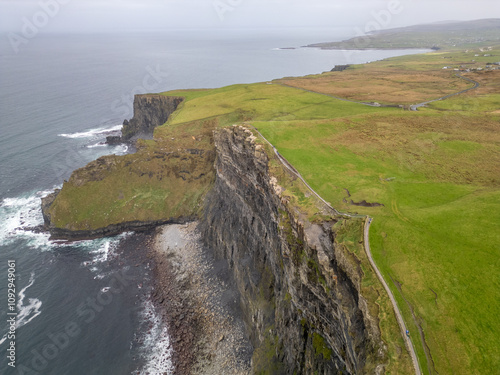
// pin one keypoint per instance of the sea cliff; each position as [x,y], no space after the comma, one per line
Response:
[300,288]
[150,111]
[302,299]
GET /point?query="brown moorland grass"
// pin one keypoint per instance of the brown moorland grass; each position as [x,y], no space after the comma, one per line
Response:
[489,81]
[385,85]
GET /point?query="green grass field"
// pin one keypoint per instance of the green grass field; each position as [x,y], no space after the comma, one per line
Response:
[160,181]
[436,234]
[436,238]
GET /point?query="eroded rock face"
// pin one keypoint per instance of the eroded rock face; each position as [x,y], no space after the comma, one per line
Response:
[150,111]
[46,203]
[300,294]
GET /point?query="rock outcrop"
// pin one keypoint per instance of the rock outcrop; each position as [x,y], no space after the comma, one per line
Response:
[300,294]
[134,192]
[340,68]
[46,203]
[150,111]
[113,229]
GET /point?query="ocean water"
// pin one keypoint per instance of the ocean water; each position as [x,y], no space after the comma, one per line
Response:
[84,307]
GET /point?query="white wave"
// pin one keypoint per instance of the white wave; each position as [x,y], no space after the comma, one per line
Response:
[26,313]
[102,250]
[118,150]
[121,149]
[99,144]
[105,251]
[157,351]
[92,132]
[17,215]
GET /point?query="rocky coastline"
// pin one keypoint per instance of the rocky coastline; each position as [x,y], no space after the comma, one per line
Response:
[196,296]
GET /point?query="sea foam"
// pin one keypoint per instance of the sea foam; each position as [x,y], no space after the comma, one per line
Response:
[92,132]
[25,312]
[157,351]
[18,216]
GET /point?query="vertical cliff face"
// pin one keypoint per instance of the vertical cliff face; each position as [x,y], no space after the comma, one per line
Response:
[150,111]
[300,292]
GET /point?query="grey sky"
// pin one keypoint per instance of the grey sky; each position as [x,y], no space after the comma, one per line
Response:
[102,15]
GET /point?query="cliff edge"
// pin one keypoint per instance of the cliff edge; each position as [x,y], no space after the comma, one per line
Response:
[300,292]
[150,111]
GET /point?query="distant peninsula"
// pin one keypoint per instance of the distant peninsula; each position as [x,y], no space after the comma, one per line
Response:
[440,35]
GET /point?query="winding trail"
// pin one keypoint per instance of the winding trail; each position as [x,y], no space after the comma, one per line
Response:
[288,166]
[368,221]
[415,107]
[399,316]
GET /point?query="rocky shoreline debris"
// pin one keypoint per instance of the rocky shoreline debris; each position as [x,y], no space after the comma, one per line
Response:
[199,306]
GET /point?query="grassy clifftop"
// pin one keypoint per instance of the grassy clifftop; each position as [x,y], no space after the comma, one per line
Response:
[434,173]
[166,178]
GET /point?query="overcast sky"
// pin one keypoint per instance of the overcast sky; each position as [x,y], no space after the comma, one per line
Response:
[103,15]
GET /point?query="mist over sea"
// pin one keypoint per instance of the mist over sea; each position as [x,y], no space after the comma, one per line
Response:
[84,307]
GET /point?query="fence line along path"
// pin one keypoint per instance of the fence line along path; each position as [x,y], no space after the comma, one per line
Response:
[368,221]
